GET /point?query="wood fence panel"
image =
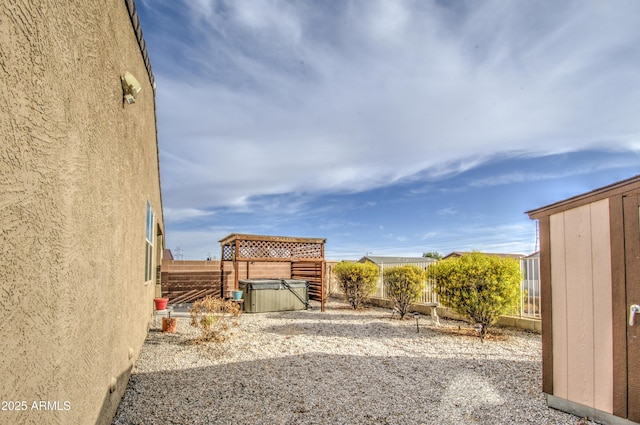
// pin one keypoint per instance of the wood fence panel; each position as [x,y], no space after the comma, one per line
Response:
[312,272]
[198,284]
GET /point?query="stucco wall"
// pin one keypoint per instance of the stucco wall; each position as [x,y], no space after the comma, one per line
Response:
[77,168]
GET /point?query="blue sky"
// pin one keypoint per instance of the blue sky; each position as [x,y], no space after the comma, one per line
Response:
[388,127]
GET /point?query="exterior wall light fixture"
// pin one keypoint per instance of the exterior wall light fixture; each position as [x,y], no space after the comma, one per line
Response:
[131,87]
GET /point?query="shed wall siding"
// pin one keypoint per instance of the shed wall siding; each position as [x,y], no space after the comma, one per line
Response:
[559,305]
[603,306]
[581,287]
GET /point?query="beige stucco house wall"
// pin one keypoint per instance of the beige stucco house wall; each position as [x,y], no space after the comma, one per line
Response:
[78,168]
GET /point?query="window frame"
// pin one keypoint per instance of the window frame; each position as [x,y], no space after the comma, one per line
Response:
[149,242]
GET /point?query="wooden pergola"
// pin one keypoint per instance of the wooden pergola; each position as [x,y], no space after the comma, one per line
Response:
[250,256]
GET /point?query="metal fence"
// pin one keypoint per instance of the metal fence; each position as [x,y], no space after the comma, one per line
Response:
[427,296]
[529,289]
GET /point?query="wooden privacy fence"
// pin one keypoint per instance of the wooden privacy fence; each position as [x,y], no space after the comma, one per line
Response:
[188,281]
[312,272]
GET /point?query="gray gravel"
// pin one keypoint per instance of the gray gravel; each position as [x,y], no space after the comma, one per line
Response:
[339,367]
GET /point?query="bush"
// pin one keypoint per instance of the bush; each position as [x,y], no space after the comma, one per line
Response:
[478,286]
[357,280]
[214,317]
[404,285]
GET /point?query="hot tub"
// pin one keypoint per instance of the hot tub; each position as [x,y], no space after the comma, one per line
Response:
[262,295]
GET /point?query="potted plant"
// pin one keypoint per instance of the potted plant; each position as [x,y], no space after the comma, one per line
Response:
[169,324]
[161,303]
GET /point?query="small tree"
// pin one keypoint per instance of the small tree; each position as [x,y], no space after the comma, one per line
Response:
[432,254]
[357,280]
[478,286]
[404,285]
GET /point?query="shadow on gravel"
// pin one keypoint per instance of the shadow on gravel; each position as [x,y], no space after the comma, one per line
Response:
[321,388]
[157,337]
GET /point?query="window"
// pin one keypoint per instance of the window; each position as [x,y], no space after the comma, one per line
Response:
[148,259]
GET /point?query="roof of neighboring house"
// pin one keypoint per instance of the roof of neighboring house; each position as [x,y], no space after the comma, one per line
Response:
[377,259]
[456,254]
[167,254]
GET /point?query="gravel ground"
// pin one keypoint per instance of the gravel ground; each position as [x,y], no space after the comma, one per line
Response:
[339,367]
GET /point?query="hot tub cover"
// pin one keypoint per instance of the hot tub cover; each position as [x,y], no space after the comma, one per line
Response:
[261,284]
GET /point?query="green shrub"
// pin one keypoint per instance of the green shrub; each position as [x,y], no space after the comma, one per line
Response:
[357,280]
[478,286]
[214,317]
[404,285]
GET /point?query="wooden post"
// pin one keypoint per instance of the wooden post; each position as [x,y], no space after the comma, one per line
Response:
[235,266]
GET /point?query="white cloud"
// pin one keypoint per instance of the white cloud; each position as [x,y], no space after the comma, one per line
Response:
[271,16]
[386,19]
[292,97]
[521,177]
[447,211]
[181,214]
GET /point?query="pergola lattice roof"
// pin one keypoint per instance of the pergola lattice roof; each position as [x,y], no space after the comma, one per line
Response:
[271,248]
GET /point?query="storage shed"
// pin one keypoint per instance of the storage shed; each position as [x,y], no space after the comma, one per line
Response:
[590,283]
[277,257]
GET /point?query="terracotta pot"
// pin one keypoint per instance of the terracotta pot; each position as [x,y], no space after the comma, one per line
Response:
[161,303]
[169,324]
